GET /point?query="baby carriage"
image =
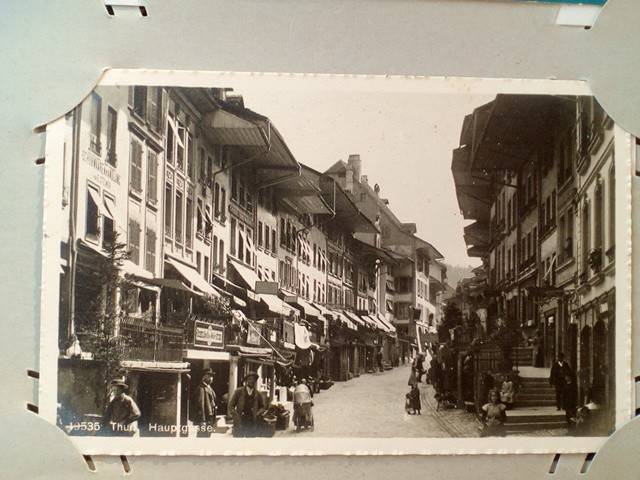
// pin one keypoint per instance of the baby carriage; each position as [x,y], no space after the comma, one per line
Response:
[302,413]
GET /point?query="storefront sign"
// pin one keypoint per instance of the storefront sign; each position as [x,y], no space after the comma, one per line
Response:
[208,335]
[269,288]
[253,335]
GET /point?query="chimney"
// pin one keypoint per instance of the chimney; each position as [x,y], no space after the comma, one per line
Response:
[364,179]
[355,164]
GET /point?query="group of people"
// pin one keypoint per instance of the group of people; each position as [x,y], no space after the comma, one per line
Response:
[440,374]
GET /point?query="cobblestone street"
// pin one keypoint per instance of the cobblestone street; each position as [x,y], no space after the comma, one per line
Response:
[372,405]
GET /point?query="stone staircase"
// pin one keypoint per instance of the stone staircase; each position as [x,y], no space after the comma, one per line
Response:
[522,356]
[535,406]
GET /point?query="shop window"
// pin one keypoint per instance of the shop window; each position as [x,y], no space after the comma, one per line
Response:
[95,122]
[150,250]
[112,129]
[134,241]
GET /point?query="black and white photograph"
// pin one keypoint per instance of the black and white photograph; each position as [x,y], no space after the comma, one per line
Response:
[263,258]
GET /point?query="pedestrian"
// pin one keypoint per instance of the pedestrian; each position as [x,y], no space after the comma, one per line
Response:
[419,366]
[559,372]
[122,413]
[538,360]
[413,398]
[247,408]
[204,405]
[412,377]
[379,360]
[569,399]
[494,416]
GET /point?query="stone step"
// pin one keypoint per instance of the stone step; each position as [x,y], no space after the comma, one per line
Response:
[531,426]
[534,414]
[536,402]
[536,393]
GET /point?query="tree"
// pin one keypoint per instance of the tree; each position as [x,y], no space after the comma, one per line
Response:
[99,325]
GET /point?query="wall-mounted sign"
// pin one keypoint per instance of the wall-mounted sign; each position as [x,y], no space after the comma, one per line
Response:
[208,335]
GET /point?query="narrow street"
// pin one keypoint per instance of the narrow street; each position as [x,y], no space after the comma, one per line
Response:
[372,405]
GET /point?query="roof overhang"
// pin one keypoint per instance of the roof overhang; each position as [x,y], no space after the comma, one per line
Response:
[346,211]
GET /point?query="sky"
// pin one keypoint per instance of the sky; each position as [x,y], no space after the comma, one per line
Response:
[405,140]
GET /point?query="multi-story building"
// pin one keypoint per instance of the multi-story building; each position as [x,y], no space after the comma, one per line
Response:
[557,156]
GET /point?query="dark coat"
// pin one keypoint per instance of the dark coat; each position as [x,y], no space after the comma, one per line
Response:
[204,404]
[238,400]
[414,399]
[558,372]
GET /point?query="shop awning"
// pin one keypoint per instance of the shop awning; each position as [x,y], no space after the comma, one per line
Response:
[354,318]
[109,207]
[169,283]
[390,285]
[216,356]
[192,276]
[276,305]
[237,301]
[248,276]
[387,323]
[307,307]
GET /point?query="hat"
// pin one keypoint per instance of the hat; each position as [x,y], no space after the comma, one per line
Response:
[208,371]
[117,382]
[251,374]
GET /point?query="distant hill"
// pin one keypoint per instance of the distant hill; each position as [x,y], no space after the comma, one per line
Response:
[455,273]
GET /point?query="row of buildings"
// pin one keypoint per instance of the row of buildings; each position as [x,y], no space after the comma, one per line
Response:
[239,257]
[537,175]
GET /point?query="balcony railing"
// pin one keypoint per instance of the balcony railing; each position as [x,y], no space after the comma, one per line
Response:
[148,341]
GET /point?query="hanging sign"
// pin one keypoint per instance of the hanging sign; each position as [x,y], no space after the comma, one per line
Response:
[208,335]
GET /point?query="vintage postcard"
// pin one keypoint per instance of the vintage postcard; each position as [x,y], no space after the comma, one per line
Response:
[307,264]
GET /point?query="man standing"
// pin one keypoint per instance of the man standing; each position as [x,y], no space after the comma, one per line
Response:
[122,412]
[379,360]
[559,371]
[204,408]
[247,407]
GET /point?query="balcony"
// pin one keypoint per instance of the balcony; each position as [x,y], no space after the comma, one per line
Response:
[148,341]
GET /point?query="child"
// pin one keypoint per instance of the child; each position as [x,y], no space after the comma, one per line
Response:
[508,392]
[413,400]
[493,416]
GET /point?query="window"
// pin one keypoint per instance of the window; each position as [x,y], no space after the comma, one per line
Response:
[199,220]
[92,227]
[260,243]
[96,119]
[598,220]
[108,230]
[283,234]
[214,256]
[203,165]
[199,262]
[190,160]
[612,206]
[273,240]
[168,209]
[267,238]
[216,200]
[134,241]
[233,236]
[189,224]
[206,268]
[152,176]
[178,224]
[135,174]
[140,101]
[155,107]
[223,205]
[586,226]
[180,150]
[170,147]
[150,256]
[112,128]
[241,245]
[249,246]
[221,256]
